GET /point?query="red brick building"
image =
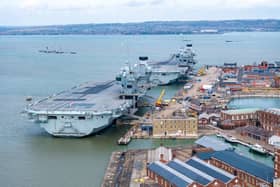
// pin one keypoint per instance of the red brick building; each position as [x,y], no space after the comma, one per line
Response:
[277,80]
[270,120]
[254,132]
[230,68]
[277,163]
[193,173]
[250,171]
[238,118]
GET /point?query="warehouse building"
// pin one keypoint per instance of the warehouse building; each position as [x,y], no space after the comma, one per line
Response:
[194,173]
[250,171]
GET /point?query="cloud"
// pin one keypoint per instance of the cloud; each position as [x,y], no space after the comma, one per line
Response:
[82,11]
[189,4]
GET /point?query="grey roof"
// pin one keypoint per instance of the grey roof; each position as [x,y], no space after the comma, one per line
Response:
[191,172]
[257,131]
[89,96]
[213,143]
[204,155]
[170,174]
[248,165]
[210,170]
[207,116]
[240,111]
[195,101]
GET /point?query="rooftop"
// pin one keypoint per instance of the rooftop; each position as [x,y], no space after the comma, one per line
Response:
[240,111]
[194,170]
[191,172]
[270,74]
[210,170]
[213,143]
[243,163]
[170,174]
[154,155]
[258,131]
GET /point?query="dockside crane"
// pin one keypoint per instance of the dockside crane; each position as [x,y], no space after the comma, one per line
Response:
[159,101]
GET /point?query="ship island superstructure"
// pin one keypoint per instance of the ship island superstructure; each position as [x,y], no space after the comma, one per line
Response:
[182,62]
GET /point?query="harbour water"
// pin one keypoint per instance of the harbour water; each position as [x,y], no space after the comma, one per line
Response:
[255,103]
[245,151]
[30,157]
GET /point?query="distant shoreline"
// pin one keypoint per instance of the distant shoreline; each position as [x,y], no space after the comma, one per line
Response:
[148,28]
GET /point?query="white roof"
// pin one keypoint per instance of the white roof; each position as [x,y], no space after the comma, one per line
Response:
[154,155]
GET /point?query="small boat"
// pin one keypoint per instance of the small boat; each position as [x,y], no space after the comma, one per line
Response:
[219,135]
[231,139]
[258,149]
[228,41]
[124,140]
[29,98]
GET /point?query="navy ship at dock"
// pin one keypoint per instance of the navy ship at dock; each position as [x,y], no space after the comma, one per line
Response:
[184,61]
[91,107]
[80,111]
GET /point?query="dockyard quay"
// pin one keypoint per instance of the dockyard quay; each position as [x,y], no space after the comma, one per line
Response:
[200,110]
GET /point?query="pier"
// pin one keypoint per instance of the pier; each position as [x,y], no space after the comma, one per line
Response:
[248,142]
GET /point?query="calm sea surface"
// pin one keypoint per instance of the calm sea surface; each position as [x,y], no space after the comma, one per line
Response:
[29,156]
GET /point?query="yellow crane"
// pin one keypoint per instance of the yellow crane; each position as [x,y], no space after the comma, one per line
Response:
[192,113]
[159,101]
[201,71]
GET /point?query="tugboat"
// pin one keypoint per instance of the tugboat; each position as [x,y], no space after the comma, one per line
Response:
[231,139]
[258,149]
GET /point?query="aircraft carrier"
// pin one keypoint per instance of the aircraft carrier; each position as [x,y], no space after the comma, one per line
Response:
[80,111]
[91,107]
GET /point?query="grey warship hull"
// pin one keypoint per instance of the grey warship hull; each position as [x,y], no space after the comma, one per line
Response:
[80,111]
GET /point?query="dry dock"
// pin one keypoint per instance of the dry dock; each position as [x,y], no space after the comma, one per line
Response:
[128,169]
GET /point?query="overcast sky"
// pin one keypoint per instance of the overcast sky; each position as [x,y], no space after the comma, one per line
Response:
[48,12]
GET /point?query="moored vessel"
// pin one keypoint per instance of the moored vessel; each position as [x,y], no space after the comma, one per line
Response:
[231,139]
[258,149]
[80,111]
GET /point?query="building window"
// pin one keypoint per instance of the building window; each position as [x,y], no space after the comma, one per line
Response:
[52,117]
[81,117]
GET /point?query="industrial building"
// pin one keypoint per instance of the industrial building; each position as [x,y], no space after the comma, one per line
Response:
[238,118]
[193,173]
[252,122]
[255,132]
[270,119]
[250,171]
